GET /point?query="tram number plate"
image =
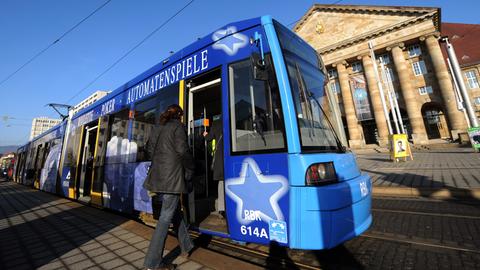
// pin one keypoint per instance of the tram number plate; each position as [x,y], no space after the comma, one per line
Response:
[254,231]
[363,188]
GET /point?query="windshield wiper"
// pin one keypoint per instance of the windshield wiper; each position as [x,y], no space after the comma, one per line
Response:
[339,143]
[301,85]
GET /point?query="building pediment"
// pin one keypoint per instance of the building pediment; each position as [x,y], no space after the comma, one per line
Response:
[329,27]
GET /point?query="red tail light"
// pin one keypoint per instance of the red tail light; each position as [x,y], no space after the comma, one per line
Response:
[320,174]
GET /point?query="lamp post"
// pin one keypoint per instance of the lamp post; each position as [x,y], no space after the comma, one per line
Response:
[457,73]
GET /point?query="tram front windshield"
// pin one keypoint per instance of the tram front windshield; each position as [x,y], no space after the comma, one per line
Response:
[312,105]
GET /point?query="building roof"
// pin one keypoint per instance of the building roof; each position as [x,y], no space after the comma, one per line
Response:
[465,39]
[410,16]
[369,8]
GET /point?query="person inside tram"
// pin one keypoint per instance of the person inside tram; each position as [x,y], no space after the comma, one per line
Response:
[216,137]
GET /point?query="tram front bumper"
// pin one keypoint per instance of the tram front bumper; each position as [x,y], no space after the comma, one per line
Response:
[324,217]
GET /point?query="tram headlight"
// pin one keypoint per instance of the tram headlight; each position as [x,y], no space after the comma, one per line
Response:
[320,174]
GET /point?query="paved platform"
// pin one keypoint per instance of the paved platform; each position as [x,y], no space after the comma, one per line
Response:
[452,173]
[42,231]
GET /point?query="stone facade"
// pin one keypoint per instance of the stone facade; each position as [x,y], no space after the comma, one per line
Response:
[465,39]
[406,39]
[472,82]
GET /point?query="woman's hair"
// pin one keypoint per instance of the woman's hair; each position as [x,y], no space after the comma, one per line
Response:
[172,112]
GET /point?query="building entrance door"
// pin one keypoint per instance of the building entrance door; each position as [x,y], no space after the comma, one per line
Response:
[435,122]
[370,131]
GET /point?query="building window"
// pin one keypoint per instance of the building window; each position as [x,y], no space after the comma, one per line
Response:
[332,74]
[414,50]
[476,101]
[384,58]
[472,79]
[357,67]
[425,90]
[335,86]
[419,68]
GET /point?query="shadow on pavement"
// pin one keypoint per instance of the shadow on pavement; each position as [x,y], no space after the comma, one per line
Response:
[202,241]
[377,159]
[31,238]
[337,258]
[278,257]
[426,187]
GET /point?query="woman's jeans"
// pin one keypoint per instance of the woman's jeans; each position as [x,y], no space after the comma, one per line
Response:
[170,213]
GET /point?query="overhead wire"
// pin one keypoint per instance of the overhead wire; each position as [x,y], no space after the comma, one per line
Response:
[57,40]
[130,51]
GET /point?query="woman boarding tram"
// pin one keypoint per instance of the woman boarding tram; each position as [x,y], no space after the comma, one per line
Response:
[287,178]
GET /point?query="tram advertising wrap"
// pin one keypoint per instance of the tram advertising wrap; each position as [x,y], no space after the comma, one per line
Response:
[257,193]
[275,171]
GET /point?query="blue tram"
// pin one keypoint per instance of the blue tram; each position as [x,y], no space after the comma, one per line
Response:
[288,178]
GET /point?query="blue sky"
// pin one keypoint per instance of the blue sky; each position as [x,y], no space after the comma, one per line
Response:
[29,26]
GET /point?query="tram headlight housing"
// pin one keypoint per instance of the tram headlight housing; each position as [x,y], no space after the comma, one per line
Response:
[320,174]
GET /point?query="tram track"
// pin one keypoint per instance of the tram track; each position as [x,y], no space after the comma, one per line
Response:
[418,243]
[421,241]
[422,213]
[249,255]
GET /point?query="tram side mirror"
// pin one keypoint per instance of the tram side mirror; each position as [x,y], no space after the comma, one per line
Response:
[259,66]
[260,71]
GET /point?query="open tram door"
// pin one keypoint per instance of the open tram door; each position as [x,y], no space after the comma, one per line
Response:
[204,107]
[86,160]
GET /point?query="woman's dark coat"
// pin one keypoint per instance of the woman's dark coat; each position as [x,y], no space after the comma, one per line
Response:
[216,133]
[168,148]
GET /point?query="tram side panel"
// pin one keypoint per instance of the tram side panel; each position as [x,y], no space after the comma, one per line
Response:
[255,146]
[50,169]
[119,166]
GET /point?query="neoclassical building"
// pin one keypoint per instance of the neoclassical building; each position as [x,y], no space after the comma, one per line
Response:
[409,61]
[466,39]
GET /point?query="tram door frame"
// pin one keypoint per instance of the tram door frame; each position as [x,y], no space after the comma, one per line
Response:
[85,146]
[192,90]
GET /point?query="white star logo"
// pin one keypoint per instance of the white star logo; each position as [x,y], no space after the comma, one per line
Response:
[228,42]
[252,189]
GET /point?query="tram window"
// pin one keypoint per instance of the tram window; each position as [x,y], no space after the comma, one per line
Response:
[312,106]
[72,146]
[38,157]
[256,112]
[119,148]
[30,157]
[45,154]
[146,114]
[102,141]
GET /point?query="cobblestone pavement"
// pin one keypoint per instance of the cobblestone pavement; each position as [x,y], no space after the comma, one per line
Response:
[456,170]
[410,234]
[42,231]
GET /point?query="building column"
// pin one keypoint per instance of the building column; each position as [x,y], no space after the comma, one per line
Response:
[409,93]
[356,138]
[456,118]
[374,91]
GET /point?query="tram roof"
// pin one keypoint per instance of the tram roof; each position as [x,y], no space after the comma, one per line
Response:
[48,131]
[165,63]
